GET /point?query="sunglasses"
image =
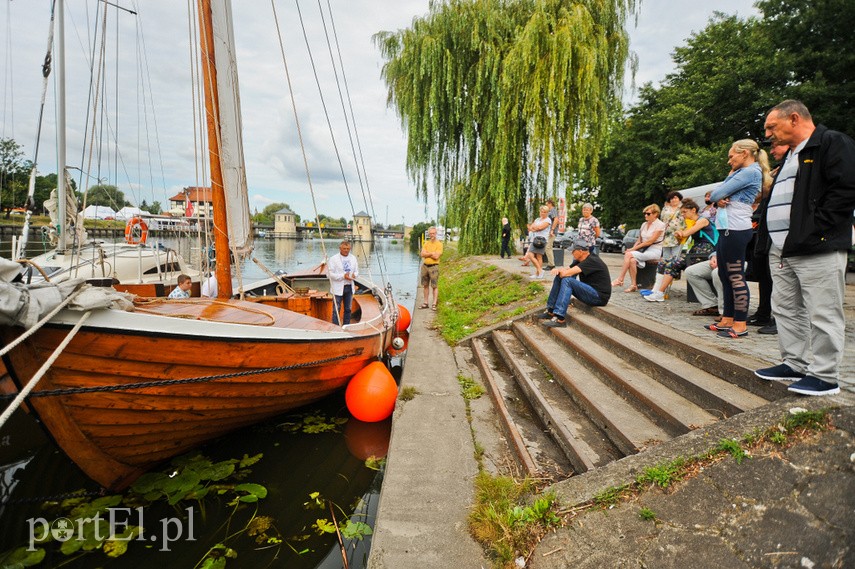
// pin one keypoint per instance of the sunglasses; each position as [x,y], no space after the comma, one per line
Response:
[649,213]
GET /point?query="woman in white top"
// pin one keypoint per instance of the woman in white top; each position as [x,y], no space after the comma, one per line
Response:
[648,247]
[540,227]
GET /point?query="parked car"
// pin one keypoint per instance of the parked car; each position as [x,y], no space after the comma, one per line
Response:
[630,238]
[609,244]
[566,239]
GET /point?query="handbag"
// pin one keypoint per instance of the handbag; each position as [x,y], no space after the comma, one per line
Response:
[538,242]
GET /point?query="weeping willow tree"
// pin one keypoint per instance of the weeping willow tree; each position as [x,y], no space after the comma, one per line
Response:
[505,102]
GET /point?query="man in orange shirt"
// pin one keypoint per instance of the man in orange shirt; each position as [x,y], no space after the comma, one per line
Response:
[431,252]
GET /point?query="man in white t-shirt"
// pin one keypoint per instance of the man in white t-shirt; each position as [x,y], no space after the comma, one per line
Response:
[341,270]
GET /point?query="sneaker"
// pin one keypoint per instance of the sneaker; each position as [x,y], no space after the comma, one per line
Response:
[780,372]
[810,385]
[655,296]
[535,277]
[545,315]
[759,320]
[556,323]
[770,328]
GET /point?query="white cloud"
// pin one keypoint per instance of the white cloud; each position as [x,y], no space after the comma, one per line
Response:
[275,170]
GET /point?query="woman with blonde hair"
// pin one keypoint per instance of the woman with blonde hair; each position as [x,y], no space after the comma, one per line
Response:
[539,229]
[749,172]
[648,247]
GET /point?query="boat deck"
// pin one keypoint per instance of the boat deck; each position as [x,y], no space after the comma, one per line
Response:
[312,311]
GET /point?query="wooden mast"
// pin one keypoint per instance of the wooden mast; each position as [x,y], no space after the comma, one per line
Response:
[212,108]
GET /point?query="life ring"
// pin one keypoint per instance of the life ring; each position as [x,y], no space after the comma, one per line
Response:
[136,231]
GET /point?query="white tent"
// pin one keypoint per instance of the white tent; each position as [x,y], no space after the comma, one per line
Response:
[128,212]
[697,193]
[98,212]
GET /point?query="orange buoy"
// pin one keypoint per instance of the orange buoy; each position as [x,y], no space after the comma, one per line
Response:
[136,231]
[404,319]
[365,440]
[371,393]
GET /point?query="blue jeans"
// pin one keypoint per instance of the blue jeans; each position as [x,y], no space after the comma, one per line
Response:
[563,290]
[345,299]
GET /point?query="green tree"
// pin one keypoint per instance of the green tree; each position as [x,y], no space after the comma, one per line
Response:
[419,231]
[44,186]
[817,40]
[14,173]
[268,214]
[501,99]
[678,134]
[155,208]
[107,195]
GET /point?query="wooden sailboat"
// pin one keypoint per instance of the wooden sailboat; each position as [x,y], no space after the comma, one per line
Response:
[133,388]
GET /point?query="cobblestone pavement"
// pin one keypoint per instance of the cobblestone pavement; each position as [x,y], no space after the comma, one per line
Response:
[676,312]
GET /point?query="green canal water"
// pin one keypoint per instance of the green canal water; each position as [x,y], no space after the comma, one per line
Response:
[306,462]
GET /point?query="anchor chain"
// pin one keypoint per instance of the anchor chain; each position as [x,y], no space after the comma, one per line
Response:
[159,383]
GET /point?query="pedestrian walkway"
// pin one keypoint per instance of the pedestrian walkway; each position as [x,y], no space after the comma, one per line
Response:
[789,511]
[428,484]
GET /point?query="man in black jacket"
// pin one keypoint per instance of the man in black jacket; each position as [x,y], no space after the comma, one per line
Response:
[806,229]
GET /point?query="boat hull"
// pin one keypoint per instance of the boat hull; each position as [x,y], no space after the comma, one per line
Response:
[198,383]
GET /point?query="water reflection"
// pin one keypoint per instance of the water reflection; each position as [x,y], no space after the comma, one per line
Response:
[294,465]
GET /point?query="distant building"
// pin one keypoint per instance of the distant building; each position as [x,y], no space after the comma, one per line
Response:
[362,227]
[285,223]
[193,201]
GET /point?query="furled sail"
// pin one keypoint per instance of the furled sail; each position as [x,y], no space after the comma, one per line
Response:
[73,219]
[231,142]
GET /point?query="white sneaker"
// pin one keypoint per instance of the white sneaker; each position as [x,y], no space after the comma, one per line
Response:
[655,296]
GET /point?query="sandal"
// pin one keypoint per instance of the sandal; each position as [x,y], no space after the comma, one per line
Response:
[731,333]
[617,283]
[717,328]
[632,288]
[424,305]
[433,307]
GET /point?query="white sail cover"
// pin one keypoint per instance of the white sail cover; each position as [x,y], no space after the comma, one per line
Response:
[231,141]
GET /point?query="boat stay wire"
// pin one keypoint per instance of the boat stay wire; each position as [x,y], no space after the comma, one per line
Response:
[299,130]
[368,200]
[164,382]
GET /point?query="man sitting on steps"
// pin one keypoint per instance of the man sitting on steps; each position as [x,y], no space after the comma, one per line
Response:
[587,278]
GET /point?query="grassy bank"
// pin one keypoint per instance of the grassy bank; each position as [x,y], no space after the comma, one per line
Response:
[474,295]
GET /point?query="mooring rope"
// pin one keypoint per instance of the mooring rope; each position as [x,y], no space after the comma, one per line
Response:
[42,370]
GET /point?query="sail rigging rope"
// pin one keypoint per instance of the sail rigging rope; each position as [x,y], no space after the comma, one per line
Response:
[189,380]
[368,200]
[299,130]
[13,406]
[31,190]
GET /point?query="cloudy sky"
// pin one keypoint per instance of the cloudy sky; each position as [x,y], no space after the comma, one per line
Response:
[155,126]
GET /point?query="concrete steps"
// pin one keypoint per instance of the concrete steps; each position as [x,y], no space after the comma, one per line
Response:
[610,385]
